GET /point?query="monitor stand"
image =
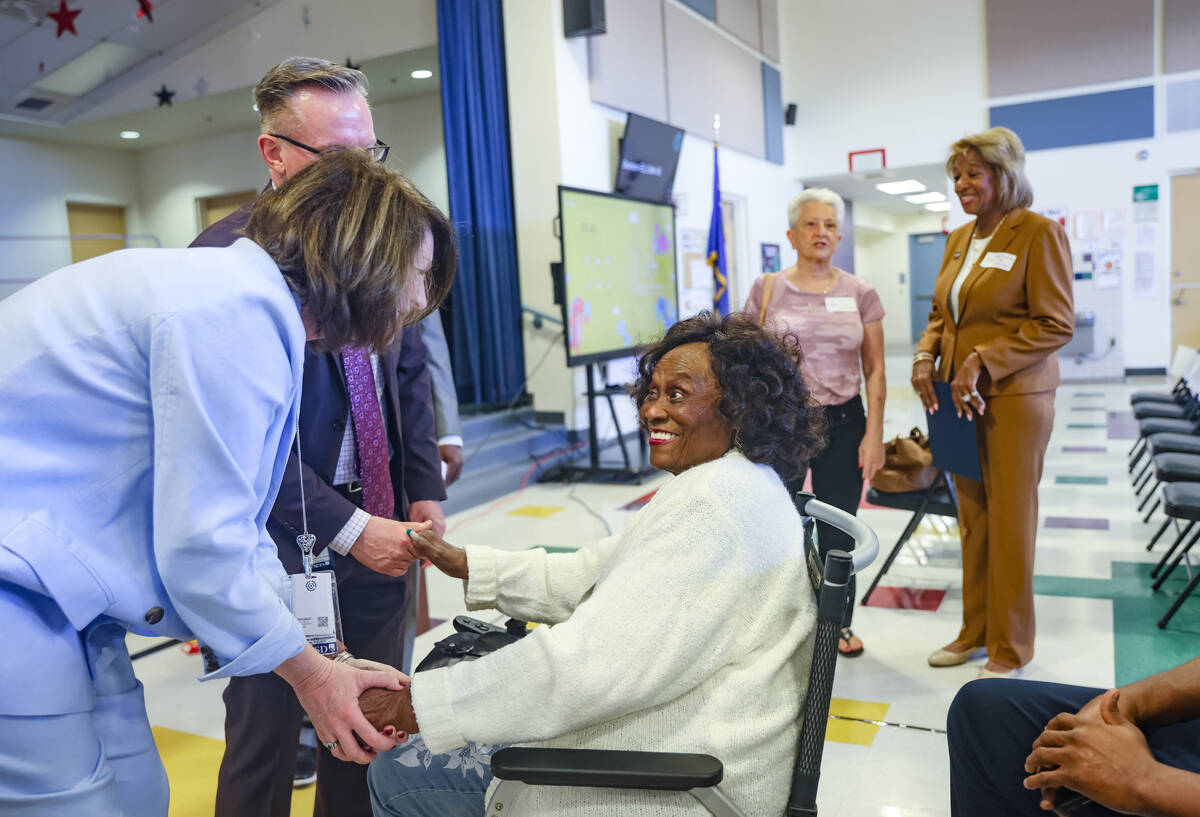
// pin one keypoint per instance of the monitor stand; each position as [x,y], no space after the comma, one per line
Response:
[631,472]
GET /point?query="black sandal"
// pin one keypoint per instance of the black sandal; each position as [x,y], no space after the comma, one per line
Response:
[844,639]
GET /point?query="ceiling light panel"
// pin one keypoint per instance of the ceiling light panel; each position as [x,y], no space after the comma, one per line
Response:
[925,198]
[91,69]
[897,188]
[938,206]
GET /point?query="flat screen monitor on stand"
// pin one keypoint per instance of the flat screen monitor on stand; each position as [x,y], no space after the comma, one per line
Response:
[617,288]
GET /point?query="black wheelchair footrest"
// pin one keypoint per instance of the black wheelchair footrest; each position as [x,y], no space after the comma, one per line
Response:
[666,771]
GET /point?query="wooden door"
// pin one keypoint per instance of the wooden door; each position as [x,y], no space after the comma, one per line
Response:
[95,219]
[1185,261]
[215,208]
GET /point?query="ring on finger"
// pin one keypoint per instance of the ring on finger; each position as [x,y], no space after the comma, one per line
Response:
[331,745]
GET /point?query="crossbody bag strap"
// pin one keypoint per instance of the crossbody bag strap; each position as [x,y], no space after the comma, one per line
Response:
[768,288]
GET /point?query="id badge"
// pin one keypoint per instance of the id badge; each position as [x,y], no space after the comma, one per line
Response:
[315,606]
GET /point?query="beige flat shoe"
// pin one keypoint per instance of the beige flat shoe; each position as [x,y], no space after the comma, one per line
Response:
[1015,672]
[950,658]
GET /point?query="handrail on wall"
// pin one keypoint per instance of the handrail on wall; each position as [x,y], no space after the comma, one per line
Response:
[86,237]
[539,316]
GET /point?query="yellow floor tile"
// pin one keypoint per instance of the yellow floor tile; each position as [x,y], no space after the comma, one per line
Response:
[539,511]
[192,763]
[854,731]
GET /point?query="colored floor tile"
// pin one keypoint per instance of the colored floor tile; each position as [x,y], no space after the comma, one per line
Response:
[1087,425]
[1084,449]
[1122,426]
[1076,523]
[192,763]
[1088,394]
[537,511]
[1068,480]
[1140,648]
[848,721]
[638,503]
[907,598]
[1087,408]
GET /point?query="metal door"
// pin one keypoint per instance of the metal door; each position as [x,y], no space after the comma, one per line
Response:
[1185,261]
[925,252]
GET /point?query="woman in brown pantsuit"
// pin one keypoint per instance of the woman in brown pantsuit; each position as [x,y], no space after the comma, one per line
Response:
[1002,306]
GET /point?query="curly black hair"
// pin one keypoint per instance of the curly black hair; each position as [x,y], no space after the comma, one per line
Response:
[763,394]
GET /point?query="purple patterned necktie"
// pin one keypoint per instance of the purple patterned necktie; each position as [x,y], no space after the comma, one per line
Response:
[369,435]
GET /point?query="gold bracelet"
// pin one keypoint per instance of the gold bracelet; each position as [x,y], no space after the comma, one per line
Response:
[922,356]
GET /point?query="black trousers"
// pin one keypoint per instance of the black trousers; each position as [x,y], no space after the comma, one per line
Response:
[992,725]
[837,479]
[262,714]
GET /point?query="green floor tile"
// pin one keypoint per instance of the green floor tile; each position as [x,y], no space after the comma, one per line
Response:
[1081,480]
[1139,647]
[1089,394]
[1086,425]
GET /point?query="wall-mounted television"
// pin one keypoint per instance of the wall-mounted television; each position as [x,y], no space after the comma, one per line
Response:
[618,273]
[649,158]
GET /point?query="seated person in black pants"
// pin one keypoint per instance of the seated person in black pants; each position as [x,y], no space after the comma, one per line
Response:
[1016,749]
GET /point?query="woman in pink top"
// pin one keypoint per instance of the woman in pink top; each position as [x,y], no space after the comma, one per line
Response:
[838,321]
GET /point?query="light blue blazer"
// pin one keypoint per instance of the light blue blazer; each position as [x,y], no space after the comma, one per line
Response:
[148,400]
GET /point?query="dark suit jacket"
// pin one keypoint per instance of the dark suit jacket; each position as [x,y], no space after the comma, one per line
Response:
[324,405]
[1015,319]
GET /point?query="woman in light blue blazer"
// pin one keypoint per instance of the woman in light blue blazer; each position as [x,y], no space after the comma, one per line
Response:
[148,402]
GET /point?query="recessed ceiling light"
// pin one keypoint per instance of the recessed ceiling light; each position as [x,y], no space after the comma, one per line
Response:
[926,198]
[422,73]
[938,206]
[896,188]
[130,134]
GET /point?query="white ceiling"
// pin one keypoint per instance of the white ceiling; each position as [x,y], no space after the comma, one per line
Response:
[860,187]
[112,49]
[197,118]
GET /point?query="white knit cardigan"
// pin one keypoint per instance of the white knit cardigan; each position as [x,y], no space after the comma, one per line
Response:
[689,632]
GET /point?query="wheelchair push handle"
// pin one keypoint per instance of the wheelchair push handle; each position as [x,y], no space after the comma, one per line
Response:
[866,543]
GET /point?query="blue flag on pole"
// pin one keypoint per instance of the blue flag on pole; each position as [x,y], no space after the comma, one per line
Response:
[716,245]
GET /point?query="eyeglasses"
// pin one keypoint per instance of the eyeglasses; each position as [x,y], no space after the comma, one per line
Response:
[378,151]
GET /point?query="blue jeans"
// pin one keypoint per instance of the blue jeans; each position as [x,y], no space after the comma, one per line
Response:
[413,782]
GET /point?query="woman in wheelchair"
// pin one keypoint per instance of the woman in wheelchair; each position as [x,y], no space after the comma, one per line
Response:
[688,632]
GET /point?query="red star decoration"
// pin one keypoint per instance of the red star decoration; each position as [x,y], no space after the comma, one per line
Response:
[65,18]
[145,7]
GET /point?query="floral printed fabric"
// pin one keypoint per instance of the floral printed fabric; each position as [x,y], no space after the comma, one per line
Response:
[411,781]
[474,757]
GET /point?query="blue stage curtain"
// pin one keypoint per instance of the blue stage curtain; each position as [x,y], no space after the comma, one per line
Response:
[485,310]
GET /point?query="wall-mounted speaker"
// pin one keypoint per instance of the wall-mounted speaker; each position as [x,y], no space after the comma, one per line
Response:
[789,114]
[582,18]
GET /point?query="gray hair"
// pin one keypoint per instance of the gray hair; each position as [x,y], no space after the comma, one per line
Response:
[819,194]
[273,93]
[1004,153]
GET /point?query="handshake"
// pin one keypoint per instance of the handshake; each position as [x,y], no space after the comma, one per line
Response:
[389,708]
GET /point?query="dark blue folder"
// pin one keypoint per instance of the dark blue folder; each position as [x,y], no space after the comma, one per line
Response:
[952,438]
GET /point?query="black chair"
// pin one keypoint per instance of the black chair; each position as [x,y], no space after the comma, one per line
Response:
[1169,467]
[697,774]
[937,499]
[1181,500]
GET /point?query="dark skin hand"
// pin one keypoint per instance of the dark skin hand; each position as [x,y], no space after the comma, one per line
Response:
[964,389]
[444,556]
[922,383]
[390,711]
[1102,758]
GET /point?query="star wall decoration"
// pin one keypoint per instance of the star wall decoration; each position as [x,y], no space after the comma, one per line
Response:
[64,18]
[146,9]
[164,97]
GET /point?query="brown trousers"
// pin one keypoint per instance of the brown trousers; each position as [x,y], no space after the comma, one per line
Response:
[997,520]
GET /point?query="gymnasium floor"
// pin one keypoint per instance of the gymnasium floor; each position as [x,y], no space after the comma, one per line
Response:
[886,751]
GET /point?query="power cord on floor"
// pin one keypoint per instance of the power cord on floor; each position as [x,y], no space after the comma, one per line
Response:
[572,496]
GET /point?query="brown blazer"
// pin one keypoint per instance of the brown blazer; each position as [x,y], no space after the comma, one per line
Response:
[1014,319]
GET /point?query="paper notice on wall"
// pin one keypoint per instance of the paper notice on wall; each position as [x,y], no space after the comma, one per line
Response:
[1088,225]
[693,241]
[1143,273]
[1145,233]
[1107,273]
[1114,223]
[1059,214]
[1145,202]
[692,301]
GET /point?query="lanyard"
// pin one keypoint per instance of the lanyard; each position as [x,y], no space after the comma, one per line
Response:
[305,540]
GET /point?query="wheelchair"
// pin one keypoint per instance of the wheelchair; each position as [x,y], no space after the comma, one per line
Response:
[700,775]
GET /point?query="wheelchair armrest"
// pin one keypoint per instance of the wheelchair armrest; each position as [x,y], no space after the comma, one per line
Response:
[604,768]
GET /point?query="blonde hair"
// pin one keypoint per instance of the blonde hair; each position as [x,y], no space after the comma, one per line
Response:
[1004,153]
[273,93]
[818,194]
[346,232]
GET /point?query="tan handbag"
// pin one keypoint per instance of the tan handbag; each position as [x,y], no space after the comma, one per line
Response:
[907,465]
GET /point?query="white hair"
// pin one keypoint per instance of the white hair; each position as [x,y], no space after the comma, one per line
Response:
[820,194]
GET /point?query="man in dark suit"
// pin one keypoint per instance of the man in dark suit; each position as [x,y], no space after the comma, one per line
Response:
[308,106]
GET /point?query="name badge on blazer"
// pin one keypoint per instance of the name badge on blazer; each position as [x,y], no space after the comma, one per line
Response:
[998,260]
[841,305]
